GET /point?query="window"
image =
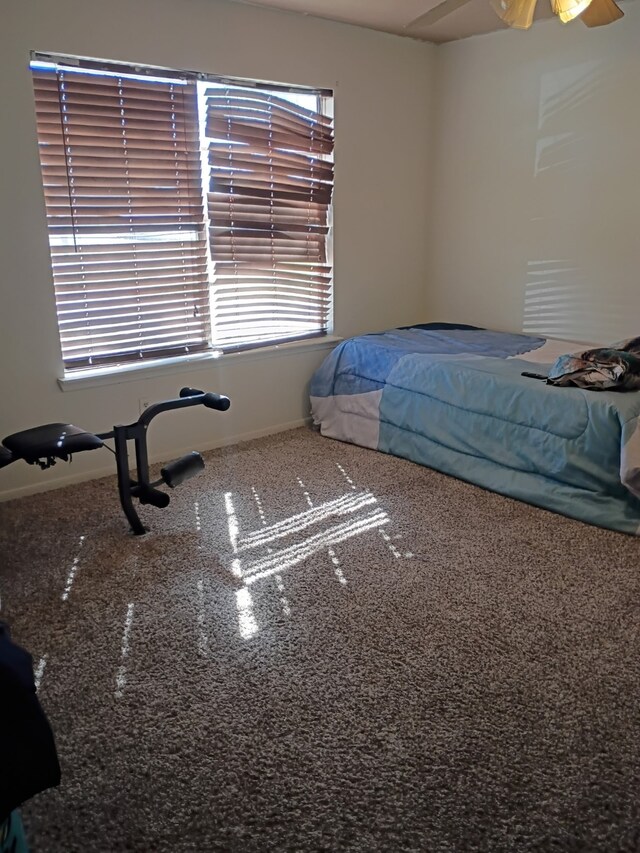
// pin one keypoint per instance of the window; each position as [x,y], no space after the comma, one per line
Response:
[185,215]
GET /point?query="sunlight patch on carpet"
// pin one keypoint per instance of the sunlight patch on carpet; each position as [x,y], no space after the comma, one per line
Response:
[121,677]
[39,671]
[246,620]
[73,571]
[353,514]
[203,641]
[296,523]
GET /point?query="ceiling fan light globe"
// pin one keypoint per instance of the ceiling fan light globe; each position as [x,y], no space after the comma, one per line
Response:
[567,10]
[517,14]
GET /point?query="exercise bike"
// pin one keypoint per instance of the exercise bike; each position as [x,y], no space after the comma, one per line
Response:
[45,445]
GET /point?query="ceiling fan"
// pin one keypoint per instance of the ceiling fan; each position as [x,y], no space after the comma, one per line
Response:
[519,13]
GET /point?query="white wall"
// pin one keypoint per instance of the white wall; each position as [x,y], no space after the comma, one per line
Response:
[537,180]
[380,214]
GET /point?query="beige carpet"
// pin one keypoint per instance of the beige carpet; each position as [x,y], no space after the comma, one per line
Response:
[322,648]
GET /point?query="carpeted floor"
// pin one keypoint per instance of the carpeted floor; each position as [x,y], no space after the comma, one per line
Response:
[322,648]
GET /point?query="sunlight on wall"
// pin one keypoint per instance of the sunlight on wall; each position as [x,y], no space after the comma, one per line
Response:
[565,90]
[564,298]
[556,152]
[552,294]
[560,303]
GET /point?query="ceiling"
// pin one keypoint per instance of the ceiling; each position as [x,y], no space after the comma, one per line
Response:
[395,16]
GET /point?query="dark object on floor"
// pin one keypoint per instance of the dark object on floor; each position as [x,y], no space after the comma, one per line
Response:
[533,375]
[27,748]
[615,368]
[44,445]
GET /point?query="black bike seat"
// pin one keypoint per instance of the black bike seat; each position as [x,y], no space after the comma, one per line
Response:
[50,440]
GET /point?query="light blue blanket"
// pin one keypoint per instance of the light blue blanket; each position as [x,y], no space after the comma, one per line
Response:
[454,399]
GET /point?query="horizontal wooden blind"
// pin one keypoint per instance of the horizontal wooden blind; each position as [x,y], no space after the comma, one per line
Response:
[270,187]
[122,181]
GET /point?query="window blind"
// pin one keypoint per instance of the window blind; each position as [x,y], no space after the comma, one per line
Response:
[270,187]
[122,180]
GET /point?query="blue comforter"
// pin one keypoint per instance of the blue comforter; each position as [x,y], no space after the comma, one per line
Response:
[454,398]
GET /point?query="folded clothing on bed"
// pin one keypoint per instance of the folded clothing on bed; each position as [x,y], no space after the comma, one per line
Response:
[609,368]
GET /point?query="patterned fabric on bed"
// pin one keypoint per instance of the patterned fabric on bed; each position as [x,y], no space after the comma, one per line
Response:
[454,399]
[600,369]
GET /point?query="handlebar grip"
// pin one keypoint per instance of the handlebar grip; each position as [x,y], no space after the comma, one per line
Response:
[216,401]
[190,392]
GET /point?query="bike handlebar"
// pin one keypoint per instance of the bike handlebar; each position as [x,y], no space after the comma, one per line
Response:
[216,401]
[188,397]
[209,399]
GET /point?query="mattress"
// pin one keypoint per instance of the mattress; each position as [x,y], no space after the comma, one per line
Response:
[453,398]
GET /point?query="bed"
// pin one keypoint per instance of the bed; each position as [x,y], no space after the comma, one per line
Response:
[453,398]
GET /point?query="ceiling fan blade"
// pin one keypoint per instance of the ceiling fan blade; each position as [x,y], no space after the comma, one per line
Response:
[515,13]
[601,12]
[437,13]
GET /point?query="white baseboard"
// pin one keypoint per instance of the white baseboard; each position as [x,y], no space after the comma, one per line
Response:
[95,474]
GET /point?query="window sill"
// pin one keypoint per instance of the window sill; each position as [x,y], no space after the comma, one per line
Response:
[169,366]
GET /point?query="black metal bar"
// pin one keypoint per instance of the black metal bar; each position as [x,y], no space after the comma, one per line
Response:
[139,435]
[125,484]
[209,400]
